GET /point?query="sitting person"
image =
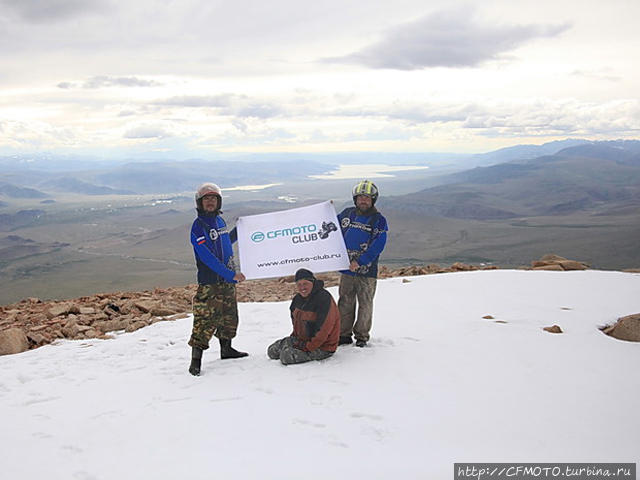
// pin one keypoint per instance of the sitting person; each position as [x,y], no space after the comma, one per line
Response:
[316,324]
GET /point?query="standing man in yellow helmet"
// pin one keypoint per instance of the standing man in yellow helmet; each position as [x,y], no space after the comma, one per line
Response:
[365,234]
[215,308]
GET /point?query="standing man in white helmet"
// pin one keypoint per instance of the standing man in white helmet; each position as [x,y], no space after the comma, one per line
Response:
[365,234]
[215,308]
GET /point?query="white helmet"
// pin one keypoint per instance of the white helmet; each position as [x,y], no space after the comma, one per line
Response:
[208,189]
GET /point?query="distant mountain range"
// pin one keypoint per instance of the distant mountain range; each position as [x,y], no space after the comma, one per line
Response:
[578,199]
[19,219]
[596,176]
[152,178]
[524,152]
[13,191]
[73,185]
[554,178]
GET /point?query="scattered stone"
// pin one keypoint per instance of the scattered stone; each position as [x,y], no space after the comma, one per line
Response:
[111,310]
[626,328]
[36,338]
[539,263]
[56,333]
[145,305]
[132,327]
[557,263]
[552,268]
[551,257]
[71,329]
[406,280]
[111,325]
[488,317]
[553,329]
[92,333]
[573,265]
[37,328]
[13,340]
[58,310]
[164,310]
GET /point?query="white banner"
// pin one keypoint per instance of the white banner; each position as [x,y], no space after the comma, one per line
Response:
[277,244]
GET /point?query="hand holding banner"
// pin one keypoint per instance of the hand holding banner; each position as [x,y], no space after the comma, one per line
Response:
[277,244]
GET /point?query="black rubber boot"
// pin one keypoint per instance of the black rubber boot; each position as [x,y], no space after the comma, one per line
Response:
[196,361]
[345,340]
[227,351]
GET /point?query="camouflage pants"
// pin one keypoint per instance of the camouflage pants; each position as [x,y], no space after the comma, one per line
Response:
[215,312]
[284,350]
[363,289]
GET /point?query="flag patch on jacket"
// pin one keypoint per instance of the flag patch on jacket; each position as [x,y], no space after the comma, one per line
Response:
[201,240]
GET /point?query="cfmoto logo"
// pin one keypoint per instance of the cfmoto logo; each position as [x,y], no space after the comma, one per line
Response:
[257,237]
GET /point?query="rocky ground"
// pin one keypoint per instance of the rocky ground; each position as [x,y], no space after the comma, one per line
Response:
[32,323]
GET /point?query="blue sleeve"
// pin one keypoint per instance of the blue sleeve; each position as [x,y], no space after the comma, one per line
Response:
[344,213]
[377,244]
[207,256]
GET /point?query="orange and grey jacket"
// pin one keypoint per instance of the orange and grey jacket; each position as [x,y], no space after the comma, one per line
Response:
[316,320]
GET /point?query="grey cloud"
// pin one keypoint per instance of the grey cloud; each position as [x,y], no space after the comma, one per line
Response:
[414,114]
[243,107]
[446,39]
[198,101]
[258,111]
[538,119]
[147,132]
[430,113]
[319,136]
[603,74]
[382,134]
[41,11]
[106,81]
[253,137]
[556,119]
[227,104]
[240,125]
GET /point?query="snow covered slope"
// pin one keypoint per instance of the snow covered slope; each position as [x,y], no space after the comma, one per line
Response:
[437,384]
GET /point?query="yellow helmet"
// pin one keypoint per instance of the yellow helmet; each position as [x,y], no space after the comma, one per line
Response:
[365,187]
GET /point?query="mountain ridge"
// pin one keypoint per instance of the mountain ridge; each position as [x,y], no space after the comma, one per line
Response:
[574,179]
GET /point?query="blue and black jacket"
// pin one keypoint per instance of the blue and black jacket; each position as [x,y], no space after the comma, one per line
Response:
[365,237]
[212,248]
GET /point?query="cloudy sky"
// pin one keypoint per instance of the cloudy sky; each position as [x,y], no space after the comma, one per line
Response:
[189,78]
